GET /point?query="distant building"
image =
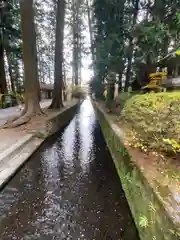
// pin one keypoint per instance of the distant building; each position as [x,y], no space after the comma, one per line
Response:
[46,90]
[171,65]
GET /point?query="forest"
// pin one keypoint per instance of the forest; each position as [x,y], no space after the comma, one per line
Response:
[130,37]
[41,40]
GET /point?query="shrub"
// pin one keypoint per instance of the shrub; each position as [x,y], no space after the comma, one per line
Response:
[155,117]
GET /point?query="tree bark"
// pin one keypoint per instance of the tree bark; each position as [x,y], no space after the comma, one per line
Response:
[10,68]
[31,83]
[90,31]
[120,82]
[80,57]
[57,101]
[131,46]
[18,83]
[76,6]
[3,84]
[64,84]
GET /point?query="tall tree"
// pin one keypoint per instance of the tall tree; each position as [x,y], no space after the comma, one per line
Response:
[11,39]
[32,106]
[45,22]
[76,6]
[57,101]
[131,44]
[90,30]
[130,36]
[3,84]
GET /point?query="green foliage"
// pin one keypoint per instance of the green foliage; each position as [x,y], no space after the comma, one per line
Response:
[152,207]
[175,233]
[155,118]
[143,222]
[173,144]
[10,26]
[97,87]
[129,45]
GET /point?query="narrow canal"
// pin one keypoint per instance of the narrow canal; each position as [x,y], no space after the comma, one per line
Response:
[69,189]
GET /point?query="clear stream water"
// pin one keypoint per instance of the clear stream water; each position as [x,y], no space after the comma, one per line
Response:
[69,189]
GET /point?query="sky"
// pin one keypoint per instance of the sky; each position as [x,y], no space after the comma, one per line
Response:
[86,60]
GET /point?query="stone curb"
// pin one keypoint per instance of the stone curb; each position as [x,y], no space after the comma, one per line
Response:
[18,159]
[166,226]
[12,150]
[12,159]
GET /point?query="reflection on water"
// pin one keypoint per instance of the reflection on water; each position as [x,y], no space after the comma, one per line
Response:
[68,190]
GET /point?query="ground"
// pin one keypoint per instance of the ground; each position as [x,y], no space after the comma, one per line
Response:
[12,112]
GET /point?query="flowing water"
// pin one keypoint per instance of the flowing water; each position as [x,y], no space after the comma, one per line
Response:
[69,189]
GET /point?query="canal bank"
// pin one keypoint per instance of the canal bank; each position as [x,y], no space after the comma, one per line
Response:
[69,189]
[18,145]
[154,207]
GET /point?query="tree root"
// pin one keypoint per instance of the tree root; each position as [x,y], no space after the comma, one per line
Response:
[26,115]
[18,122]
[8,122]
[11,119]
[23,119]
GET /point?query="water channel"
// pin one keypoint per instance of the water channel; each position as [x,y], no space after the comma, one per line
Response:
[69,189]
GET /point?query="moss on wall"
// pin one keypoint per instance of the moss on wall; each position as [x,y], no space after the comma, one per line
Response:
[151,219]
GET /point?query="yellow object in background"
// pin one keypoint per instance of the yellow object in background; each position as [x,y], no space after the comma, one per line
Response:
[155,81]
[116,91]
[105,93]
[178,52]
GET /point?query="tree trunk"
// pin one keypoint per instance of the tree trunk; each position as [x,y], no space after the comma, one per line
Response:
[3,84]
[131,46]
[64,84]
[90,31]
[73,54]
[129,65]
[80,57]
[18,83]
[57,101]
[10,68]
[120,82]
[31,83]
[76,5]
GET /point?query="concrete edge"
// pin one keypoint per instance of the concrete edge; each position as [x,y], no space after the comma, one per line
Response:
[5,155]
[18,161]
[120,136]
[74,103]
[20,152]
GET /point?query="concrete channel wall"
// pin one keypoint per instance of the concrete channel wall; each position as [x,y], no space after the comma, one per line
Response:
[150,216]
[16,156]
[54,124]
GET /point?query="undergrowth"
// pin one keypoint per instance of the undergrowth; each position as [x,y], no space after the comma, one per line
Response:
[155,120]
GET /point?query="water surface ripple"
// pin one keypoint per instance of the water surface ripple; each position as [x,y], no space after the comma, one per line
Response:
[68,190]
